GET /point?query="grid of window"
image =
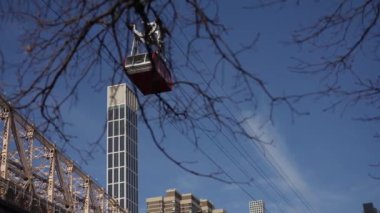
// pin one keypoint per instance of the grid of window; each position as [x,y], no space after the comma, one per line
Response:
[122,156]
[256,206]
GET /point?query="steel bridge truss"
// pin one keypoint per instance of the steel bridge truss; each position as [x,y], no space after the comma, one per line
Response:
[37,177]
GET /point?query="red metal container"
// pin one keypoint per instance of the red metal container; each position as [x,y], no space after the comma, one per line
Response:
[149,73]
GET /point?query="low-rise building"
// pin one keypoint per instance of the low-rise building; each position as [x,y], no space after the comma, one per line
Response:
[174,202]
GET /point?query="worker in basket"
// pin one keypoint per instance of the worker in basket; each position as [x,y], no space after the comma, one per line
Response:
[154,35]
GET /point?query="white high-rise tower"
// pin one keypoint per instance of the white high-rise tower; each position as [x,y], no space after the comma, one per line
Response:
[122,169]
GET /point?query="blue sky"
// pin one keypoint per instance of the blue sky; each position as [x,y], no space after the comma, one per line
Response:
[324,156]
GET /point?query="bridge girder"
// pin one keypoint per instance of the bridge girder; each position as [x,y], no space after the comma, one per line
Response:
[37,175]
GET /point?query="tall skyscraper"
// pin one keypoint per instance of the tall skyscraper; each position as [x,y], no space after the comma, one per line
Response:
[256,206]
[122,171]
[175,202]
[369,208]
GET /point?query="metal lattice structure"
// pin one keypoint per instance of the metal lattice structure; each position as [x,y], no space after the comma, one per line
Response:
[37,177]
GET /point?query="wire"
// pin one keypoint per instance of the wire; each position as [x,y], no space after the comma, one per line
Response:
[273,162]
[244,154]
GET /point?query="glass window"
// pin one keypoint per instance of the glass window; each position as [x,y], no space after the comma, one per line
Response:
[121,174]
[128,114]
[132,151]
[110,161]
[130,132]
[129,129]
[116,128]
[122,159]
[116,113]
[110,116]
[116,175]
[116,162]
[129,145]
[122,190]
[132,164]
[116,144]
[133,195]
[110,128]
[110,176]
[122,143]
[122,201]
[122,109]
[110,144]
[122,127]
[109,190]
[115,190]
[135,129]
[133,133]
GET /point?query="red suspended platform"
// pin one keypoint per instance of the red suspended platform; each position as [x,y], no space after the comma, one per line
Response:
[148,71]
